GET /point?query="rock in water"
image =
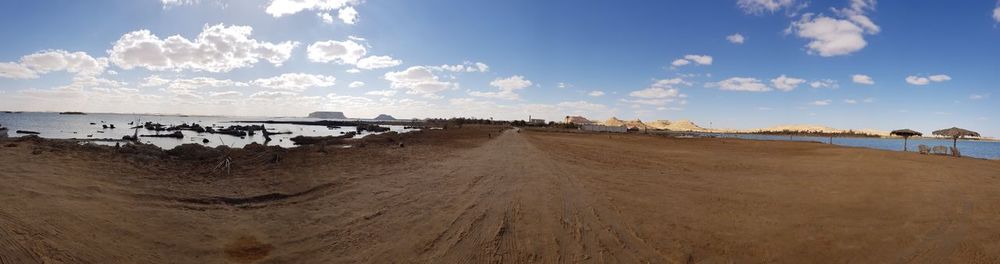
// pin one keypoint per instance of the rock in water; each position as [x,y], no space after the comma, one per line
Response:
[328,115]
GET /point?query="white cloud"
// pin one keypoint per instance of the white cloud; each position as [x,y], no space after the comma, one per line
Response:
[785,83]
[862,79]
[996,14]
[172,3]
[378,62]
[920,80]
[824,83]
[507,86]
[467,66]
[341,52]
[656,93]
[596,93]
[348,15]
[385,93]
[189,85]
[736,38]
[829,36]
[939,78]
[821,102]
[356,84]
[217,48]
[12,70]
[273,95]
[61,60]
[47,61]
[153,80]
[418,80]
[661,92]
[869,100]
[978,96]
[850,101]
[699,59]
[226,95]
[835,36]
[743,84]
[917,80]
[353,70]
[761,6]
[296,82]
[692,58]
[326,17]
[278,8]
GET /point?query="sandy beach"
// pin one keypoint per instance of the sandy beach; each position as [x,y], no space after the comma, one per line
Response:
[476,195]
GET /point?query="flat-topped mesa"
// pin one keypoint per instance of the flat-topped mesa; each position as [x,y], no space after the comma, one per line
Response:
[327,115]
[385,117]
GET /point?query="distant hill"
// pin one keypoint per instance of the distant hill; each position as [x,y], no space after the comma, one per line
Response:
[328,115]
[385,117]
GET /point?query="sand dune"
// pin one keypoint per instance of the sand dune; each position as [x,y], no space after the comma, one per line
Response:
[470,196]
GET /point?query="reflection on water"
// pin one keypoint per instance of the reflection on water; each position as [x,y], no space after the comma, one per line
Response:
[91,126]
[971,148]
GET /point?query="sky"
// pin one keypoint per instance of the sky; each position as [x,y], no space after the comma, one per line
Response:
[738,64]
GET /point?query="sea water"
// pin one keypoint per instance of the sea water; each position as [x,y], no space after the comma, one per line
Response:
[971,148]
[55,125]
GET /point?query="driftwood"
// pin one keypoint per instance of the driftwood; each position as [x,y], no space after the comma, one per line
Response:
[176,134]
[304,140]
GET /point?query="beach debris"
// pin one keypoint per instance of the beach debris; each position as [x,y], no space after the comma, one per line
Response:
[304,140]
[192,127]
[204,141]
[906,134]
[29,132]
[175,134]
[956,133]
[371,128]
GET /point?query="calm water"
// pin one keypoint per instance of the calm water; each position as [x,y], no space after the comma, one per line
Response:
[54,125]
[971,148]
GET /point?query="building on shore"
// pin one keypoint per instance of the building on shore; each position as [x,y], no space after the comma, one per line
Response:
[535,121]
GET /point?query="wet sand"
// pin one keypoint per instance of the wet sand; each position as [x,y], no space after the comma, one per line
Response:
[460,196]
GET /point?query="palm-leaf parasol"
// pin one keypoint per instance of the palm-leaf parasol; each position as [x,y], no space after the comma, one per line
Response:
[956,133]
[906,134]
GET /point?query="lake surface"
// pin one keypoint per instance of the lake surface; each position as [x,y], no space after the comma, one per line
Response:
[970,148]
[54,125]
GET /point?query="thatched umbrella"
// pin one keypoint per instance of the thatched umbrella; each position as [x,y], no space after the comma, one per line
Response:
[956,133]
[906,134]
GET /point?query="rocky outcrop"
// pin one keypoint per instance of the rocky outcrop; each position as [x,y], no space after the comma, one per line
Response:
[328,115]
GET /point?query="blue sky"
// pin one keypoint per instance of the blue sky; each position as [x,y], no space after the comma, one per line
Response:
[846,63]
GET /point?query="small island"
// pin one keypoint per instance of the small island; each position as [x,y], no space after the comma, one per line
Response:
[72,113]
[327,115]
[385,117]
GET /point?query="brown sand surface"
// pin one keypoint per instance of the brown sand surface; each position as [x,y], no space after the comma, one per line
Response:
[458,196]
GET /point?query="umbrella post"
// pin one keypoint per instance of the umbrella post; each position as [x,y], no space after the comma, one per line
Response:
[904,143]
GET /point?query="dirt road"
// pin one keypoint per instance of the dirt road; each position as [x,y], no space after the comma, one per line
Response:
[528,197]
